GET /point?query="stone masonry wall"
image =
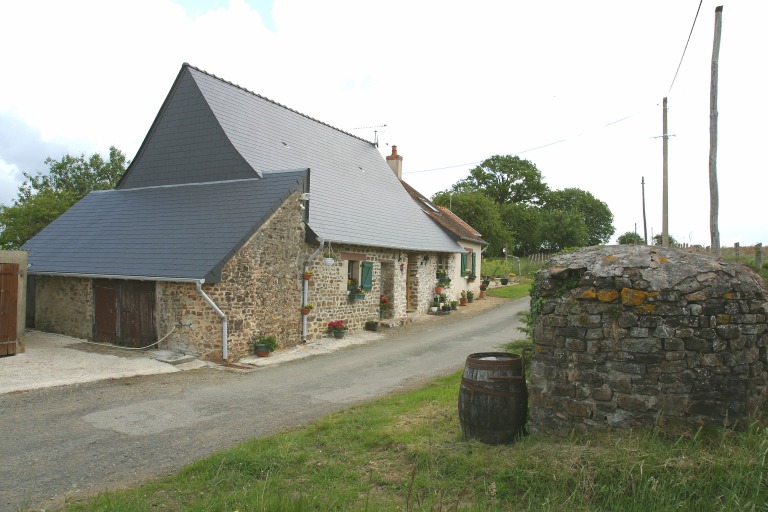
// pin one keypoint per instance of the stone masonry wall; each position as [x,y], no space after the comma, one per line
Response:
[638,335]
[64,305]
[260,293]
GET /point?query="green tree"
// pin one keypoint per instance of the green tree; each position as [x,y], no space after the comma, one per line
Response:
[482,214]
[563,229]
[630,238]
[525,222]
[43,197]
[596,214]
[672,241]
[506,179]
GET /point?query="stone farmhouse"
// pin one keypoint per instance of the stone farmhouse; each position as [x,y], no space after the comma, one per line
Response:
[207,240]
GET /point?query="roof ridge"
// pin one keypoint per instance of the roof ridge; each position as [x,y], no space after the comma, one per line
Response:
[188,65]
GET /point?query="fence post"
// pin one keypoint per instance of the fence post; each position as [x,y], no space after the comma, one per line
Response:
[759,256]
[736,249]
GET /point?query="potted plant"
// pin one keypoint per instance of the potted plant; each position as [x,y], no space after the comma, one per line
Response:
[263,345]
[454,305]
[306,308]
[446,308]
[443,298]
[440,274]
[438,289]
[338,328]
[470,296]
[372,325]
[435,305]
[307,275]
[351,284]
[504,280]
[356,294]
[463,298]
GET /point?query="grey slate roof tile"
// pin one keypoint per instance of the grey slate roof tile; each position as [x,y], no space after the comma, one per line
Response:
[172,232]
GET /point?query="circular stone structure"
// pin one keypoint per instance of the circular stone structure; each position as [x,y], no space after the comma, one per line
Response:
[640,335]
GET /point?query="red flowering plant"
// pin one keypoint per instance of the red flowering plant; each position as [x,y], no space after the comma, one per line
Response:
[337,325]
[383,304]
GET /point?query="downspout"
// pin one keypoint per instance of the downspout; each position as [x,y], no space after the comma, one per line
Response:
[305,291]
[199,286]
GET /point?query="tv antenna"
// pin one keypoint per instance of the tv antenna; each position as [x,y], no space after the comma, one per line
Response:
[375,132]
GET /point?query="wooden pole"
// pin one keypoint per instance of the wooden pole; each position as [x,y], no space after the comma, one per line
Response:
[665,185]
[645,226]
[714,202]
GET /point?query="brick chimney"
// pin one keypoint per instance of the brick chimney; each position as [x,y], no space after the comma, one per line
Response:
[395,161]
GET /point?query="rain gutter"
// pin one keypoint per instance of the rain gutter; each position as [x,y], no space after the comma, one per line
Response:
[206,298]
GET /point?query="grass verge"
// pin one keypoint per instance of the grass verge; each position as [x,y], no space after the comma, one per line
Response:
[405,452]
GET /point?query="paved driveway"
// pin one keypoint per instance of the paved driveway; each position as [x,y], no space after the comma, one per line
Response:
[85,438]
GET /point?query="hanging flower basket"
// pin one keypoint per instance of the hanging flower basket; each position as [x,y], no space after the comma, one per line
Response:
[307,276]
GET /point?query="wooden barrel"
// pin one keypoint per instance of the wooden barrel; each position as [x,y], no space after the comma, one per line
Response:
[493,399]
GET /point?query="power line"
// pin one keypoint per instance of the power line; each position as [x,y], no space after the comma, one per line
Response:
[523,151]
[686,47]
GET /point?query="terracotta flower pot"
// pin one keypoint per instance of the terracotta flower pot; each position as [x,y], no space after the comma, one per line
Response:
[305,311]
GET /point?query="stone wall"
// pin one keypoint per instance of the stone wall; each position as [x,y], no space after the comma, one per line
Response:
[64,305]
[638,335]
[260,293]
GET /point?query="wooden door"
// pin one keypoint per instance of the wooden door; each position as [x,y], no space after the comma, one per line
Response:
[137,313]
[9,293]
[105,293]
[125,312]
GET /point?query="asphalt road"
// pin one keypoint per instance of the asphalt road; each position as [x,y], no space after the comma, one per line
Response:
[87,438]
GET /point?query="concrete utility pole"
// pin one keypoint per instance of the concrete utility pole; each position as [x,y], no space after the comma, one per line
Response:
[665,190]
[714,201]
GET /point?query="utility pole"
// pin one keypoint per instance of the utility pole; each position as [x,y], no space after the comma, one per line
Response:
[714,203]
[665,186]
[645,226]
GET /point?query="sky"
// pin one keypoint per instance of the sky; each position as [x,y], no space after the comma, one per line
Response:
[574,87]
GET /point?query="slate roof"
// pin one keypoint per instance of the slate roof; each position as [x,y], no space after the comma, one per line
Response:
[210,130]
[449,221]
[177,232]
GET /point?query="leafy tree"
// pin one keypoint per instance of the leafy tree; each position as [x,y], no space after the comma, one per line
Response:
[43,197]
[563,229]
[481,213]
[506,179]
[630,238]
[672,241]
[596,214]
[525,223]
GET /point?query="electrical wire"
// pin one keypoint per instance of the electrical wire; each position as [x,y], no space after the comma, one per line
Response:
[525,150]
[686,47]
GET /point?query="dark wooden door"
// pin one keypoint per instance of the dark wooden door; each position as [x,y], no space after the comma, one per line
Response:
[105,292]
[9,293]
[137,313]
[124,312]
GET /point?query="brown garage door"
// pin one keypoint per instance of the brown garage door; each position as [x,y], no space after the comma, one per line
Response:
[9,293]
[125,312]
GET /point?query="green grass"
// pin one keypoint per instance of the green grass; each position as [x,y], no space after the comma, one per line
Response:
[405,452]
[515,291]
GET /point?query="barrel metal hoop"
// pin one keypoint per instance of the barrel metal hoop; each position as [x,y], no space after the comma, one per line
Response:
[475,385]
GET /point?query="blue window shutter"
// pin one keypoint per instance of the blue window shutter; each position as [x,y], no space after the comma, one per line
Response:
[463,262]
[474,264]
[366,275]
